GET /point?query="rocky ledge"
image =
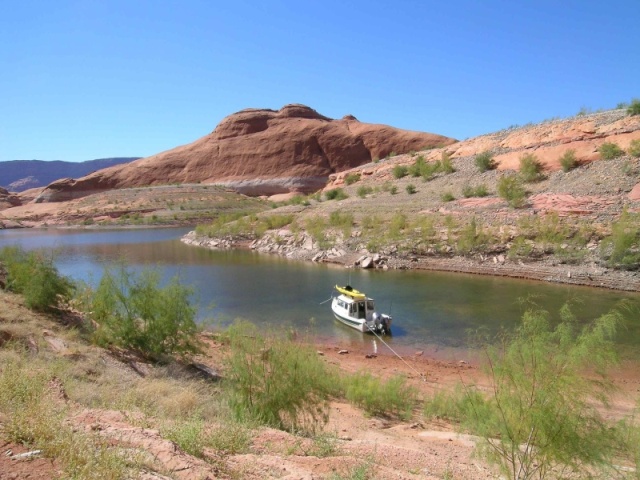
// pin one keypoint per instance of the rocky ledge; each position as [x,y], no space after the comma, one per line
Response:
[301,246]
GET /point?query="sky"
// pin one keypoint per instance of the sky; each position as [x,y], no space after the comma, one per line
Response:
[87,79]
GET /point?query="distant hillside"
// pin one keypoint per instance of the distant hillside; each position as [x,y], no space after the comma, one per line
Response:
[259,152]
[20,175]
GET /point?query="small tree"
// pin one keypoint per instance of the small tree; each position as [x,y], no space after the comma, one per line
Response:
[400,171]
[568,160]
[35,276]
[510,188]
[610,150]
[484,161]
[530,168]
[634,108]
[634,148]
[134,311]
[540,418]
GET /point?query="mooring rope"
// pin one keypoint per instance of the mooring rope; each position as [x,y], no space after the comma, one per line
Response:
[422,375]
[327,300]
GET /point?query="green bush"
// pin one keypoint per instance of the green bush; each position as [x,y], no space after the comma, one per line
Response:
[393,190]
[530,168]
[335,194]
[471,238]
[344,221]
[364,190]
[510,189]
[34,275]
[411,189]
[541,416]
[479,191]
[634,148]
[634,107]
[418,167]
[520,248]
[277,382]
[610,150]
[621,249]
[134,311]
[351,178]
[447,197]
[568,160]
[400,171]
[484,161]
[445,164]
[382,398]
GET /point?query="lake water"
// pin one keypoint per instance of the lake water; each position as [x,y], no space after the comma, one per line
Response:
[432,311]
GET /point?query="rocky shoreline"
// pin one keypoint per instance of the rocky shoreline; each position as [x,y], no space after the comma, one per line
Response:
[302,247]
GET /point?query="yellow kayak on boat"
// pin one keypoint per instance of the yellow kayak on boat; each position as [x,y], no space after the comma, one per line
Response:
[351,292]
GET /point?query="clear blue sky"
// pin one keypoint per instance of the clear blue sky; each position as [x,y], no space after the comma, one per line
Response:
[88,79]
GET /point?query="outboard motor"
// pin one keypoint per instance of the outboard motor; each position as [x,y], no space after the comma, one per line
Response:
[381,323]
[385,324]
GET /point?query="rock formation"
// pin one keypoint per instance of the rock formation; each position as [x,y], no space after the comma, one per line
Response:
[258,152]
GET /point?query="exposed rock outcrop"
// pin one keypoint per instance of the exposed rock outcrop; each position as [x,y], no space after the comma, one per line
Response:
[8,199]
[258,152]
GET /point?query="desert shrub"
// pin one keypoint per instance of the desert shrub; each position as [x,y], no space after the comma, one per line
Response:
[634,107]
[447,197]
[411,189]
[446,165]
[417,167]
[392,397]
[451,406]
[510,189]
[520,248]
[189,435]
[344,221]
[541,417]
[230,437]
[276,381]
[530,168]
[274,222]
[316,226]
[134,311]
[393,190]
[479,191]
[335,194]
[610,150]
[351,178]
[363,191]
[568,160]
[484,161]
[400,171]
[621,249]
[397,225]
[471,238]
[34,275]
[634,148]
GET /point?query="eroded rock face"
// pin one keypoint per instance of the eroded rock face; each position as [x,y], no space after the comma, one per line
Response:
[258,152]
[8,199]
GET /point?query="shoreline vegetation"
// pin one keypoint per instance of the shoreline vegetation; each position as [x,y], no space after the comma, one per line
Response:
[115,381]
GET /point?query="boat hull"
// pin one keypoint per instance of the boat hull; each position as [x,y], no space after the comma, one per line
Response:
[358,325]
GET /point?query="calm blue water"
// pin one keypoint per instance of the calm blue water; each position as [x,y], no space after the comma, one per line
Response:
[431,310]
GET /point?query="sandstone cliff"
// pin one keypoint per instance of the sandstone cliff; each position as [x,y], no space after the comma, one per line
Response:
[258,152]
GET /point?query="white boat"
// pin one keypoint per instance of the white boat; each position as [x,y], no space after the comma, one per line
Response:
[355,309]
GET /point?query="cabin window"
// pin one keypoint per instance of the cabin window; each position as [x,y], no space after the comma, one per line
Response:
[370,306]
